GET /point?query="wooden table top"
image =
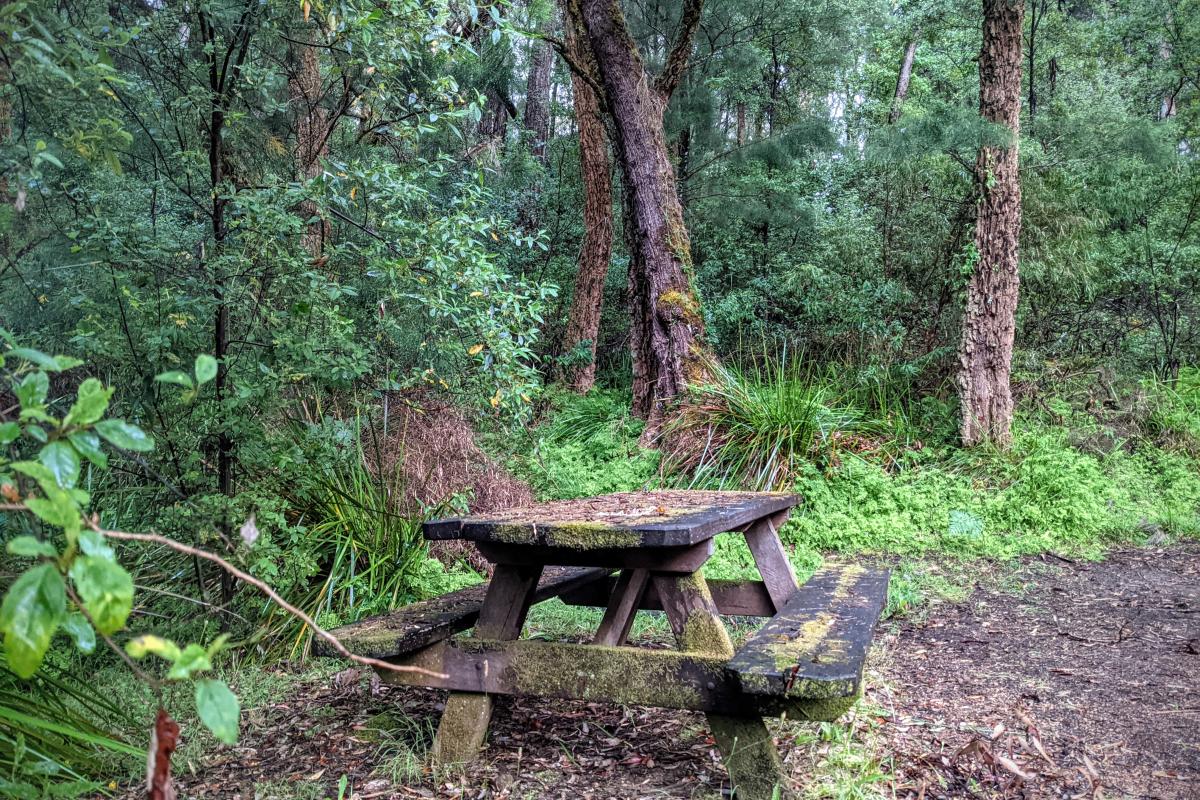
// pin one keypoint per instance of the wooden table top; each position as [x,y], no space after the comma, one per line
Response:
[666,518]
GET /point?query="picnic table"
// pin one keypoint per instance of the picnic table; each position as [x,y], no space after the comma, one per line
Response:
[624,553]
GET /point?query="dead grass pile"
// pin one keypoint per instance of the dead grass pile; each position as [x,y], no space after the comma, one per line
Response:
[428,449]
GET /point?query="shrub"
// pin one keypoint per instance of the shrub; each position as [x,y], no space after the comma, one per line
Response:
[757,428]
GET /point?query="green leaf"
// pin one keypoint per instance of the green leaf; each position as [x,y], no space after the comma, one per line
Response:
[206,368]
[125,435]
[106,590]
[88,445]
[58,509]
[79,629]
[91,401]
[63,462]
[194,658]
[218,709]
[93,544]
[176,377]
[31,547]
[37,357]
[141,646]
[32,390]
[31,612]
[9,431]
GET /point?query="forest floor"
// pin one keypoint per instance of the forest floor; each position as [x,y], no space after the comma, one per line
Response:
[1054,678]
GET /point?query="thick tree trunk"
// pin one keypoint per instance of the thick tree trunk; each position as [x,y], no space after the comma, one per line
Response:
[989,322]
[903,80]
[667,330]
[312,134]
[741,123]
[596,176]
[537,99]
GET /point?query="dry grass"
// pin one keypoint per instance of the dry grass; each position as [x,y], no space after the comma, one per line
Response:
[436,468]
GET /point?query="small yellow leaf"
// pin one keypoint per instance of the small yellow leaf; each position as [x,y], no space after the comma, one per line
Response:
[353,192]
[475,350]
[306,8]
[495,237]
[476,294]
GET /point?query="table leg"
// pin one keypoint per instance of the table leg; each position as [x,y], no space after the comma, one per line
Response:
[763,539]
[622,607]
[751,758]
[465,721]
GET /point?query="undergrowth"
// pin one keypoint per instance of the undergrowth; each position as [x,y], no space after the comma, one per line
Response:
[882,476]
[588,446]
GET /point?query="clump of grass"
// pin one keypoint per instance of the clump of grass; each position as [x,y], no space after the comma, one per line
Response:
[1174,416]
[58,736]
[758,427]
[365,556]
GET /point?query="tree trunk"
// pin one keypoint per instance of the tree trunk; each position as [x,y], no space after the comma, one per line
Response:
[537,99]
[989,322]
[741,123]
[596,176]
[1037,11]
[667,330]
[312,133]
[684,155]
[902,81]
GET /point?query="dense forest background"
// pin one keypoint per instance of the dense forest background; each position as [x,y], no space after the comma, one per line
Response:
[401,232]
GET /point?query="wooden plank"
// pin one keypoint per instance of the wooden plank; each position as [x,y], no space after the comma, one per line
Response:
[815,647]
[687,558]
[420,624]
[464,724]
[762,537]
[595,673]
[669,518]
[733,598]
[622,607]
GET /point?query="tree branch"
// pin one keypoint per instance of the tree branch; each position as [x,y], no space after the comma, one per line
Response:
[246,577]
[677,60]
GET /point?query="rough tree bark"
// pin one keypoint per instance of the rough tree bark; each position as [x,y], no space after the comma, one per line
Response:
[741,123]
[989,322]
[312,132]
[537,99]
[903,80]
[596,176]
[667,331]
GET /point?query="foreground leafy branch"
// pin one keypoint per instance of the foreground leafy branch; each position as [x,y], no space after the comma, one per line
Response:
[77,585]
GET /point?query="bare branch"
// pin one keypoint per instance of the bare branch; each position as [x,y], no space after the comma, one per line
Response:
[242,575]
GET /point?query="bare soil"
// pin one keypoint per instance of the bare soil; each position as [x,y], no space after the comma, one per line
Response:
[1063,679]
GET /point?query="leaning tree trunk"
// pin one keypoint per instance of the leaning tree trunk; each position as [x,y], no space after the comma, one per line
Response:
[312,133]
[594,172]
[989,323]
[903,80]
[667,330]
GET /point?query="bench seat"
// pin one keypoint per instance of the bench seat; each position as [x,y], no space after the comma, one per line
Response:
[413,627]
[815,647]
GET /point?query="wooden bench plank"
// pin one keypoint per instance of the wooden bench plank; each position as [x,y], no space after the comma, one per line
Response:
[815,647]
[668,518]
[421,624]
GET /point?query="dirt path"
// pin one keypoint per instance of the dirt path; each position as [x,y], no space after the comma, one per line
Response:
[1085,682]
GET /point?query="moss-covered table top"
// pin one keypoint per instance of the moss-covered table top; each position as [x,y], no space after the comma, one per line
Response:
[668,518]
